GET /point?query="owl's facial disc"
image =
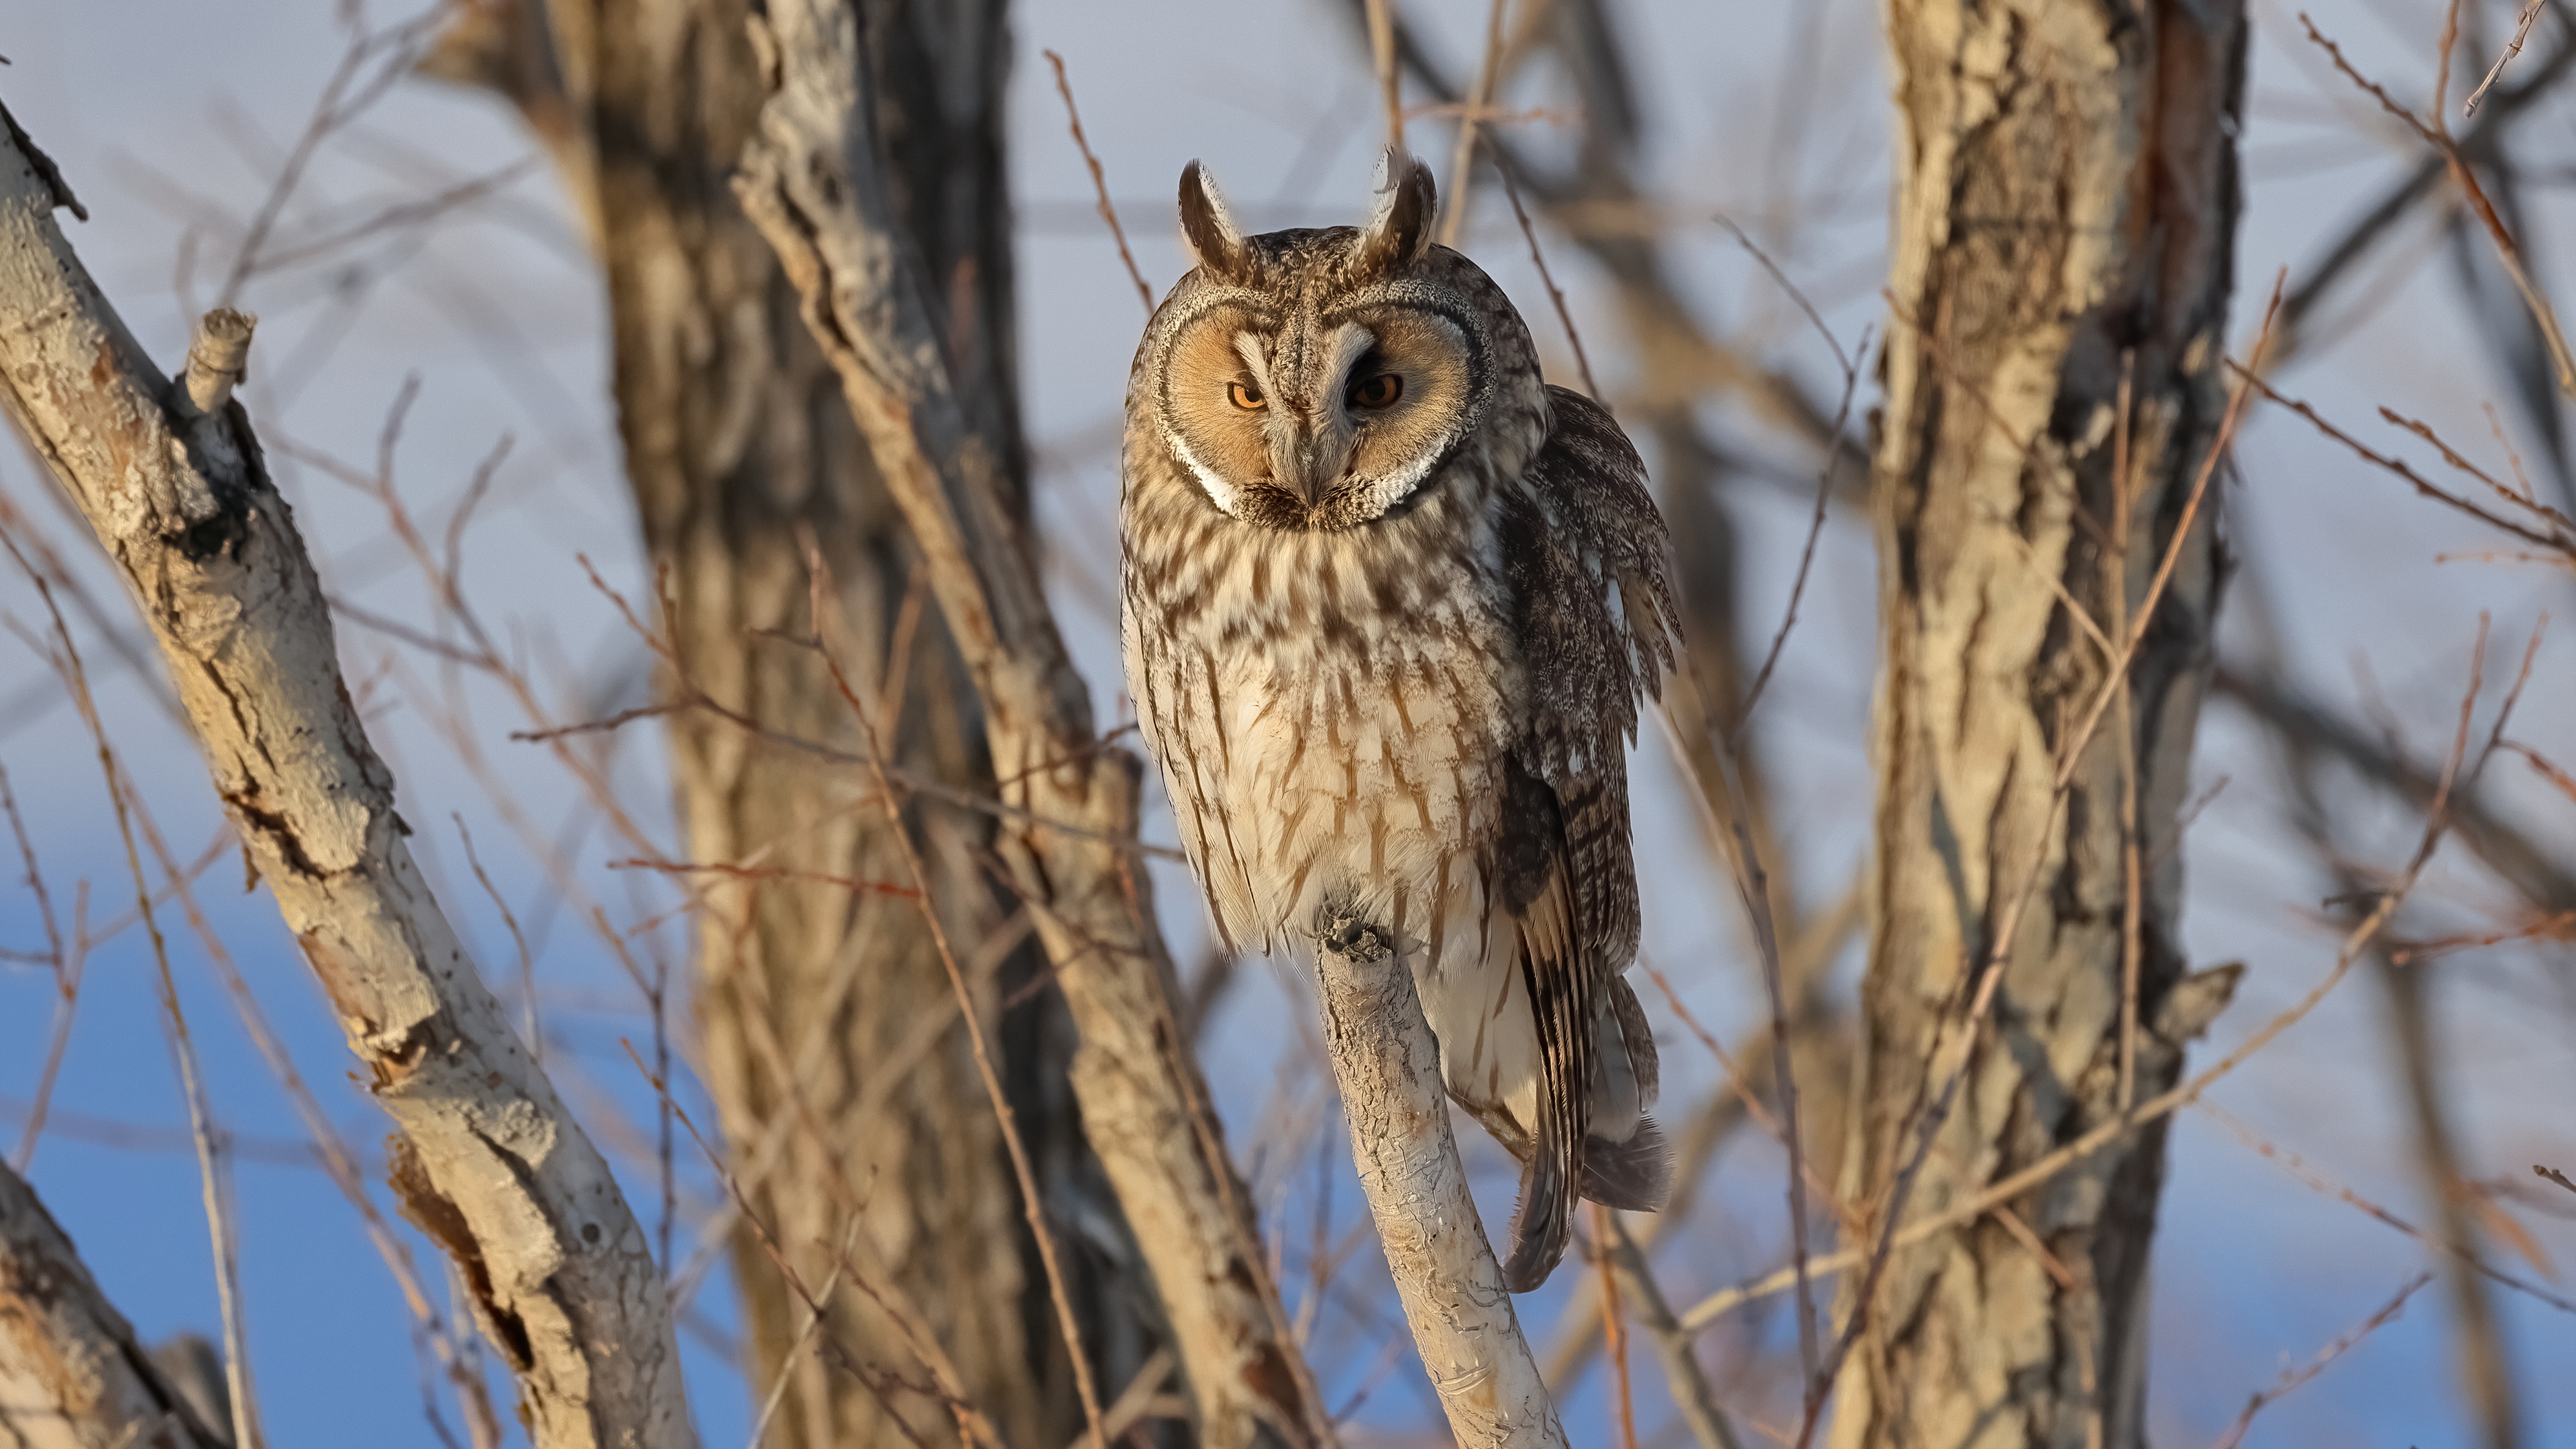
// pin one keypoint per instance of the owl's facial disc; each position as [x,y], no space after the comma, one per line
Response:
[1316,424]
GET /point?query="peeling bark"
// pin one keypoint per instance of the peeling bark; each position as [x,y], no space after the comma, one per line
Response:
[2067,203]
[72,1375]
[563,1278]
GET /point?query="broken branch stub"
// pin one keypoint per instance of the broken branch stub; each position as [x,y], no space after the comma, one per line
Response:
[1388,1065]
[170,476]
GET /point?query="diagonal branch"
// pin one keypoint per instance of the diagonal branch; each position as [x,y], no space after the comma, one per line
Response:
[71,1371]
[814,180]
[490,1159]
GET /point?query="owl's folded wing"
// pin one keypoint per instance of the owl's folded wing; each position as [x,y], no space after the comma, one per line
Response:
[1582,527]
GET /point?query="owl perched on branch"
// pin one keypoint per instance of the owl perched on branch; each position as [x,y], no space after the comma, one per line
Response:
[1390,604]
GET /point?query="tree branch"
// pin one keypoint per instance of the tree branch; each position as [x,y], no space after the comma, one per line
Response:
[814,181]
[1388,1066]
[72,1375]
[491,1162]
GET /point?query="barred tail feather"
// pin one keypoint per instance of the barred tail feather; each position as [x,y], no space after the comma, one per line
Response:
[1634,1176]
[1556,1172]
[1545,1221]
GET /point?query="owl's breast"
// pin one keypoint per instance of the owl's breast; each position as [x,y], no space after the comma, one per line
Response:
[1334,714]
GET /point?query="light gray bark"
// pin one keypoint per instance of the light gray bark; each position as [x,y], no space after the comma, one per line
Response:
[2066,209]
[819,182]
[489,1162]
[1388,1067]
[72,1375]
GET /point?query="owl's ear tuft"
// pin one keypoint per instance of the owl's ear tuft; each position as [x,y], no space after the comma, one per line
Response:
[1210,227]
[1406,201]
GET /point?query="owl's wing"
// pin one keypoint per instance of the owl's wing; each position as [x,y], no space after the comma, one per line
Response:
[1580,531]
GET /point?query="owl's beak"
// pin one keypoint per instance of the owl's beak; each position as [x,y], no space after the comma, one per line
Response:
[1310,448]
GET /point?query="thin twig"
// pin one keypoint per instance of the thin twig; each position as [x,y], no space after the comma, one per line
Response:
[67,978]
[2549,534]
[1614,1324]
[1099,183]
[2513,47]
[1691,1393]
[804,1335]
[2316,1180]
[527,962]
[333,110]
[1582,363]
[2293,1378]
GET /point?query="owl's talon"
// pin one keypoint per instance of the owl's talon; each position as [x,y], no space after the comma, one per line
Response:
[1342,930]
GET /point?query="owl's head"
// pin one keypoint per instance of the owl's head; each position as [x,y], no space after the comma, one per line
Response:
[1326,379]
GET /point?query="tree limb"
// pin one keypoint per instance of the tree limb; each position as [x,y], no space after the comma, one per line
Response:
[814,181]
[72,1375]
[491,1163]
[1388,1066]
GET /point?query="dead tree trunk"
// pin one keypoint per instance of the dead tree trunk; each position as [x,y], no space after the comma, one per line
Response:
[832,1039]
[2067,202]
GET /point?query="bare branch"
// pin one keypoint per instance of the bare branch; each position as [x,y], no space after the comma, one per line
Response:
[1389,1070]
[72,1374]
[813,181]
[497,1166]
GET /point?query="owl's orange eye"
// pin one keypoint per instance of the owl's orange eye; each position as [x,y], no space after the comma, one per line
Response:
[1245,396]
[1377,392]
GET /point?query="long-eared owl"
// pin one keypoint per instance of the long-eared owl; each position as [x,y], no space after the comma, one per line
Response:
[1390,605]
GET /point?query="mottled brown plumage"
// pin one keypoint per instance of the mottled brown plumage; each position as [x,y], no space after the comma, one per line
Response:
[1390,604]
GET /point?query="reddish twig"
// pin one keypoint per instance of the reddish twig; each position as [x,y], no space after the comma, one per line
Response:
[1614,1326]
[1032,1205]
[1099,182]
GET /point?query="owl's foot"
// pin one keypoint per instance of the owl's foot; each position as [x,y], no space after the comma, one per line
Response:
[1342,930]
